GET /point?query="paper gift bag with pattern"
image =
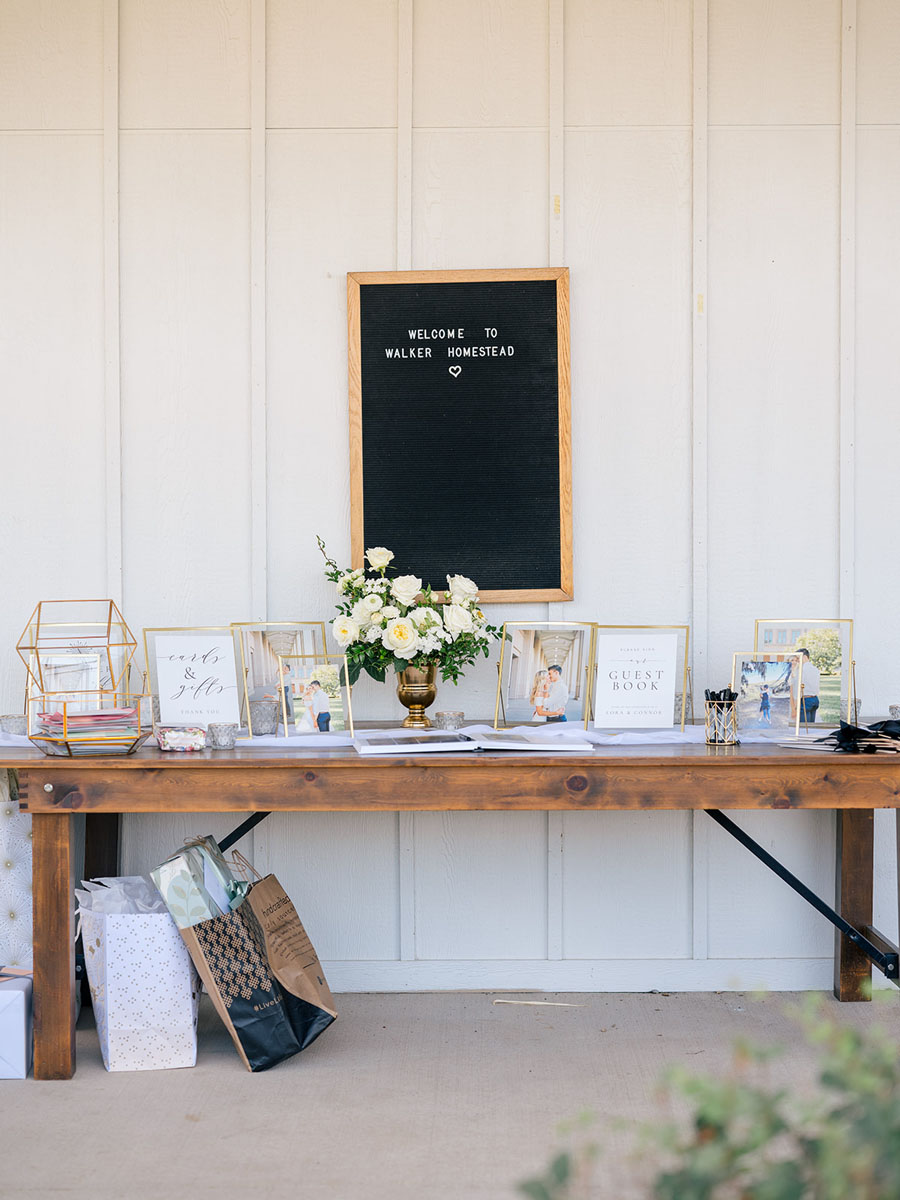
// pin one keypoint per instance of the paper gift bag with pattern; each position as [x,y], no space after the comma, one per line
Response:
[230,955]
[143,988]
[292,960]
[251,951]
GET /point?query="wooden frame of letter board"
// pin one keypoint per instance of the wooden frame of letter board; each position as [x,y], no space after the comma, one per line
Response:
[358,280]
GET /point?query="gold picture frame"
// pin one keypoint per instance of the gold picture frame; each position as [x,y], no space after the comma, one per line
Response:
[517,672]
[260,644]
[781,634]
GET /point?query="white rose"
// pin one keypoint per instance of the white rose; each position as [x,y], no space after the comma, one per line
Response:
[360,613]
[389,612]
[405,588]
[462,589]
[424,616]
[457,619]
[401,637]
[379,557]
[372,602]
[345,630]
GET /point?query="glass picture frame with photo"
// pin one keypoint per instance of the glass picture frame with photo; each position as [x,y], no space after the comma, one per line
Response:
[258,647]
[543,676]
[315,697]
[640,677]
[829,687]
[71,677]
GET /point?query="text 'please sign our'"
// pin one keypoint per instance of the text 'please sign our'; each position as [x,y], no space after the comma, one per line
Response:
[461,378]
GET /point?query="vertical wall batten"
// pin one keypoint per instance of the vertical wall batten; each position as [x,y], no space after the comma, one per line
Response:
[556,257]
[847,549]
[112,378]
[699,356]
[406,882]
[406,885]
[258,424]
[556,243]
[404,133]
[699,441]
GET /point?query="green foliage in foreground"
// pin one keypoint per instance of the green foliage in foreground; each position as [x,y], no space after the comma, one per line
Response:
[744,1140]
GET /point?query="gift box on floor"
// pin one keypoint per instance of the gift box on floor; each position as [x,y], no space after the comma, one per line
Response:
[15,1023]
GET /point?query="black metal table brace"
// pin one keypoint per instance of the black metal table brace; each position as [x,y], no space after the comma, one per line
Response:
[886,958]
[245,826]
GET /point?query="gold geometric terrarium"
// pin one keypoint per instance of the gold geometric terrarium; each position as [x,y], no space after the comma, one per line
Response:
[97,722]
[60,631]
[77,654]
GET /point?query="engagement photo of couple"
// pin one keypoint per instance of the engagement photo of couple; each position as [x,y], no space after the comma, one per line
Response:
[544,674]
[549,695]
[308,705]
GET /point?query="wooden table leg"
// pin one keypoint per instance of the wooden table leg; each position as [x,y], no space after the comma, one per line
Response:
[54,950]
[854,871]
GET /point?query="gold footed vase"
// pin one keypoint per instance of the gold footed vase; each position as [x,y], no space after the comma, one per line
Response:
[416,689]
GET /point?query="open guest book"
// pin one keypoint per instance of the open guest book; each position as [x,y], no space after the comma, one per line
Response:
[410,742]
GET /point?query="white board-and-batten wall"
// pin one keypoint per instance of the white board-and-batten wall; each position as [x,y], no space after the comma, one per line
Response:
[185,184]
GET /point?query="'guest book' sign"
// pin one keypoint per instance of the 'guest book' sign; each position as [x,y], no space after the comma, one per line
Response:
[460,427]
[195,678]
[636,676]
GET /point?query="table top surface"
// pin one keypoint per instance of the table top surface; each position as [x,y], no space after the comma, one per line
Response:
[609,777]
[294,757]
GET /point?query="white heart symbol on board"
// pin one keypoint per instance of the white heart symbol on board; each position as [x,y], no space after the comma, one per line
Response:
[454,371]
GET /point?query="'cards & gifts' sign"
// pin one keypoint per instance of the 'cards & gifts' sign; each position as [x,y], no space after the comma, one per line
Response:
[196,678]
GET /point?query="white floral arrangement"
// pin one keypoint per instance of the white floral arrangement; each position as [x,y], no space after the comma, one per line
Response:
[400,622]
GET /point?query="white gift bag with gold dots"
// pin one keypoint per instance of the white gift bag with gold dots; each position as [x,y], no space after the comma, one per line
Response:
[144,988]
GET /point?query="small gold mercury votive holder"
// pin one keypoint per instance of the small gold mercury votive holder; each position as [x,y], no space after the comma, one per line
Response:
[220,735]
[448,720]
[721,723]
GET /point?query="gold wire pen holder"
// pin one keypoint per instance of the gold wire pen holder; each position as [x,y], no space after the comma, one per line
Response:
[721,723]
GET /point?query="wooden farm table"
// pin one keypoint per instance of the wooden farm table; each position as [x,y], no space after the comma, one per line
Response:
[638,777]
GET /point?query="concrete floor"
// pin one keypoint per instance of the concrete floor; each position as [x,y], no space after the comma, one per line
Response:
[442,1096]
